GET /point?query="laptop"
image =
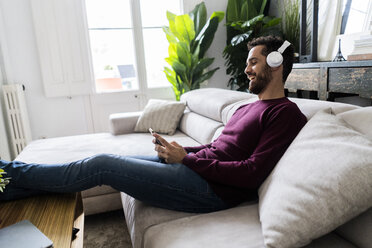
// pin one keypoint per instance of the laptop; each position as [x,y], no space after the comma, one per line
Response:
[23,234]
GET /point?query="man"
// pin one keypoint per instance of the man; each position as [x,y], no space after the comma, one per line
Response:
[206,178]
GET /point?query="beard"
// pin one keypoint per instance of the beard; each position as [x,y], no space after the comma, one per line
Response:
[261,81]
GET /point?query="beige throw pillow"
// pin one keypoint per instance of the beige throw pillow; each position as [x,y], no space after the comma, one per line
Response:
[323,180]
[161,115]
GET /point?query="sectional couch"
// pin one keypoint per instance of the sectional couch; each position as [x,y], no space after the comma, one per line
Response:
[310,199]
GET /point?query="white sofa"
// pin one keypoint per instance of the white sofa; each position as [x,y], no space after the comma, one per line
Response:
[207,112]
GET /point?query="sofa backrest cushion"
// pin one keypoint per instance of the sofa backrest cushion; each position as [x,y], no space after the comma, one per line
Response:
[310,107]
[198,127]
[210,102]
[323,180]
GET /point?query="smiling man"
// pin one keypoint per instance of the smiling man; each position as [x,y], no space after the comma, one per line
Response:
[205,178]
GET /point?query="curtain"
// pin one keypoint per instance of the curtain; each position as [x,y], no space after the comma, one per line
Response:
[329,25]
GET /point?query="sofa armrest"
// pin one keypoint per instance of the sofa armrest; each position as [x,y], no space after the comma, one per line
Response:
[122,123]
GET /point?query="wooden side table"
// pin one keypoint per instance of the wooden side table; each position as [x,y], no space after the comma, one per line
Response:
[54,214]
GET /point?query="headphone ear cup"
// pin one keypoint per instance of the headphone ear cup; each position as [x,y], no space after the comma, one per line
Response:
[274,59]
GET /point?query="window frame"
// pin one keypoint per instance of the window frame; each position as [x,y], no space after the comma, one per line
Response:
[139,53]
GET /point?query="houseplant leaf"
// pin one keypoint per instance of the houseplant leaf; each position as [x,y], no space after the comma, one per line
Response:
[199,17]
[206,35]
[189,38]
[241,38]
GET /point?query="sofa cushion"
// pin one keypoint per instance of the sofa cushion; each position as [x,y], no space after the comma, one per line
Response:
[198,127]
[210,102]
[102,203]
[307,107]
[310,107]
[160,115]
[360,119]
[331,240]
[235,227]
[72,148]
[323,180]
[140,217]
[230,109]
[358,230]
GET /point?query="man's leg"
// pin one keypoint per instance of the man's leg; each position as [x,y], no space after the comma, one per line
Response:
[172,186]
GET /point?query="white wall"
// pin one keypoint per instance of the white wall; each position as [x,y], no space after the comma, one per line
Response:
[219,79]
[60,116]
[49,117]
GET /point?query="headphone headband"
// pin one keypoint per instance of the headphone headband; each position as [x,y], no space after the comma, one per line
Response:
[284,46]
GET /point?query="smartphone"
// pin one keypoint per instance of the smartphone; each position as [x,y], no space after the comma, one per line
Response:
[156,140]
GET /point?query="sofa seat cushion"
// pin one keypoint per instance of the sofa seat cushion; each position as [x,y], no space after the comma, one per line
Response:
[102,203]
[358,230]
[210,102]
[140,217]
[235,227]
[72,148]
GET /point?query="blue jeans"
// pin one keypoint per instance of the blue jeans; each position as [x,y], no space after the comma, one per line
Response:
[148,179]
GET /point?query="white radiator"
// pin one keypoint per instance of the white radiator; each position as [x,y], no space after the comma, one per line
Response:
[16,111]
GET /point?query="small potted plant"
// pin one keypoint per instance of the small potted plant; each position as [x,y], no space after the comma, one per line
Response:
[3,181]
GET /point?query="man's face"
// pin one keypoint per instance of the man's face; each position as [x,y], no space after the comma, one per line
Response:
[258,72]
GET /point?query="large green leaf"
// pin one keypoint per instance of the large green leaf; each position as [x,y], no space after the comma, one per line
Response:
[183,54]
[202,65]
[171,76]
[182,28]
[204,77]
[253,21]
[170,16]
[219,14]
[233,11]
[172,50]
[244,11]
[199,17]
[263,5]
[273,22]
[252,11]
[238,39]
[206,36]
[170,36]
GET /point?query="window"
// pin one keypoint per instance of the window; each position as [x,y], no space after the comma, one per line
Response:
[122,44]
[358,16]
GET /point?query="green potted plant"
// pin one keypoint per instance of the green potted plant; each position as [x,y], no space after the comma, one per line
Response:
[3,181]
[189,36]
[245,20]
[291,22]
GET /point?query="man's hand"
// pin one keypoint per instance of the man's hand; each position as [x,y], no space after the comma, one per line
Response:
[172,152]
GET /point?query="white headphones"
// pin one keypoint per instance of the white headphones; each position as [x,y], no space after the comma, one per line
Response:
[275,59]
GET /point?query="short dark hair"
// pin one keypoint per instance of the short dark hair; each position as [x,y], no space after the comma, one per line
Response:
[273,43]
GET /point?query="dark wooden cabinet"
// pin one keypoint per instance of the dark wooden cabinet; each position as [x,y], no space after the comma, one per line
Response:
[327,79]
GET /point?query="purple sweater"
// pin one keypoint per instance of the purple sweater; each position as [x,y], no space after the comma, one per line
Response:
[252,142]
